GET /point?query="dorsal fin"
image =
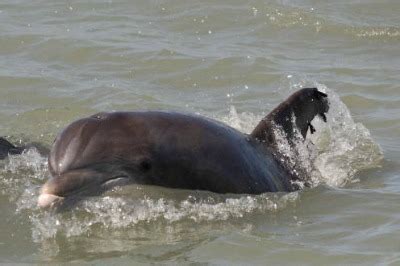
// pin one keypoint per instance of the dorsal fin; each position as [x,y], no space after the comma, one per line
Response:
[300,108]
[7,148]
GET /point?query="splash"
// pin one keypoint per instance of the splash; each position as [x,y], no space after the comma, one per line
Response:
[109,212]
[244,122]
[299,158]
[344,146]
[22,174]
[131,207]
[333,155]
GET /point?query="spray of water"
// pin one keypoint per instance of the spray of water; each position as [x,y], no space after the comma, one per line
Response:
[333,155]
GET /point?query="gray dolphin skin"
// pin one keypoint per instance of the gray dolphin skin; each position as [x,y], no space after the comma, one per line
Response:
[7,148]
[176,150]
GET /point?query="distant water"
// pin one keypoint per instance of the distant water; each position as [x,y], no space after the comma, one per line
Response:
[232,61]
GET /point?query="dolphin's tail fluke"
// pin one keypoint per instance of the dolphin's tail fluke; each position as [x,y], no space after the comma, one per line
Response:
[296,112]
[7,148]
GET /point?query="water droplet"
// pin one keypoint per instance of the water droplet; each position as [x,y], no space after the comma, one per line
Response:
[255,11]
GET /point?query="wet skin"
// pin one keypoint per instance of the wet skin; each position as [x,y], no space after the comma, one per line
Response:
[176,150]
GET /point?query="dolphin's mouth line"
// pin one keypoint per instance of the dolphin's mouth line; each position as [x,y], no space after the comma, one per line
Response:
[115,180]
[50,199]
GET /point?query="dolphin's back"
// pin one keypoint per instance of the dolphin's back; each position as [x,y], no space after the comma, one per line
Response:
[184,151]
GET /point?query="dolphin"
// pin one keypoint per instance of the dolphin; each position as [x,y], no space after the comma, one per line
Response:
[177,150]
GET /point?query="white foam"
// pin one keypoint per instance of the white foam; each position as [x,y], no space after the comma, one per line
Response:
[22,174]
[344,146]
[121,212]
[333,155]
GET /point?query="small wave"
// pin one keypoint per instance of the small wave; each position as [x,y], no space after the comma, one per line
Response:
[283,16]
[122,212]
[333,155]
[289,17]
[135,207]
[377,32]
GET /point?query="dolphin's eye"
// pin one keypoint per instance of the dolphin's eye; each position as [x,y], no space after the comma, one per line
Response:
[145,165]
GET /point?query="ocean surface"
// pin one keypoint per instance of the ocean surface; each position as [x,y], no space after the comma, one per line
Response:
[228,60]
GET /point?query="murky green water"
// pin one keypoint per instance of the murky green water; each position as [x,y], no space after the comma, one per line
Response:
[230,60]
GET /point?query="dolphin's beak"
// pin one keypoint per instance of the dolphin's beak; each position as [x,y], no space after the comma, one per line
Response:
[47,200]
[61,186]
[79,182]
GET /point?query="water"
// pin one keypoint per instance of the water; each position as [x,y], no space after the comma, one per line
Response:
[232,61]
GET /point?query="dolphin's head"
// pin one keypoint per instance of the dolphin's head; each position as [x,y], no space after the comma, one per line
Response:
[90,156]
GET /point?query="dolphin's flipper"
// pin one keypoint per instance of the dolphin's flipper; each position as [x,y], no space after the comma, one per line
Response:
[7,148]
[299,110]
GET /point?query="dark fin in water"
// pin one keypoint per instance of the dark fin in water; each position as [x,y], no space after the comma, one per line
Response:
[301,108]
[295,113]
[7,148]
